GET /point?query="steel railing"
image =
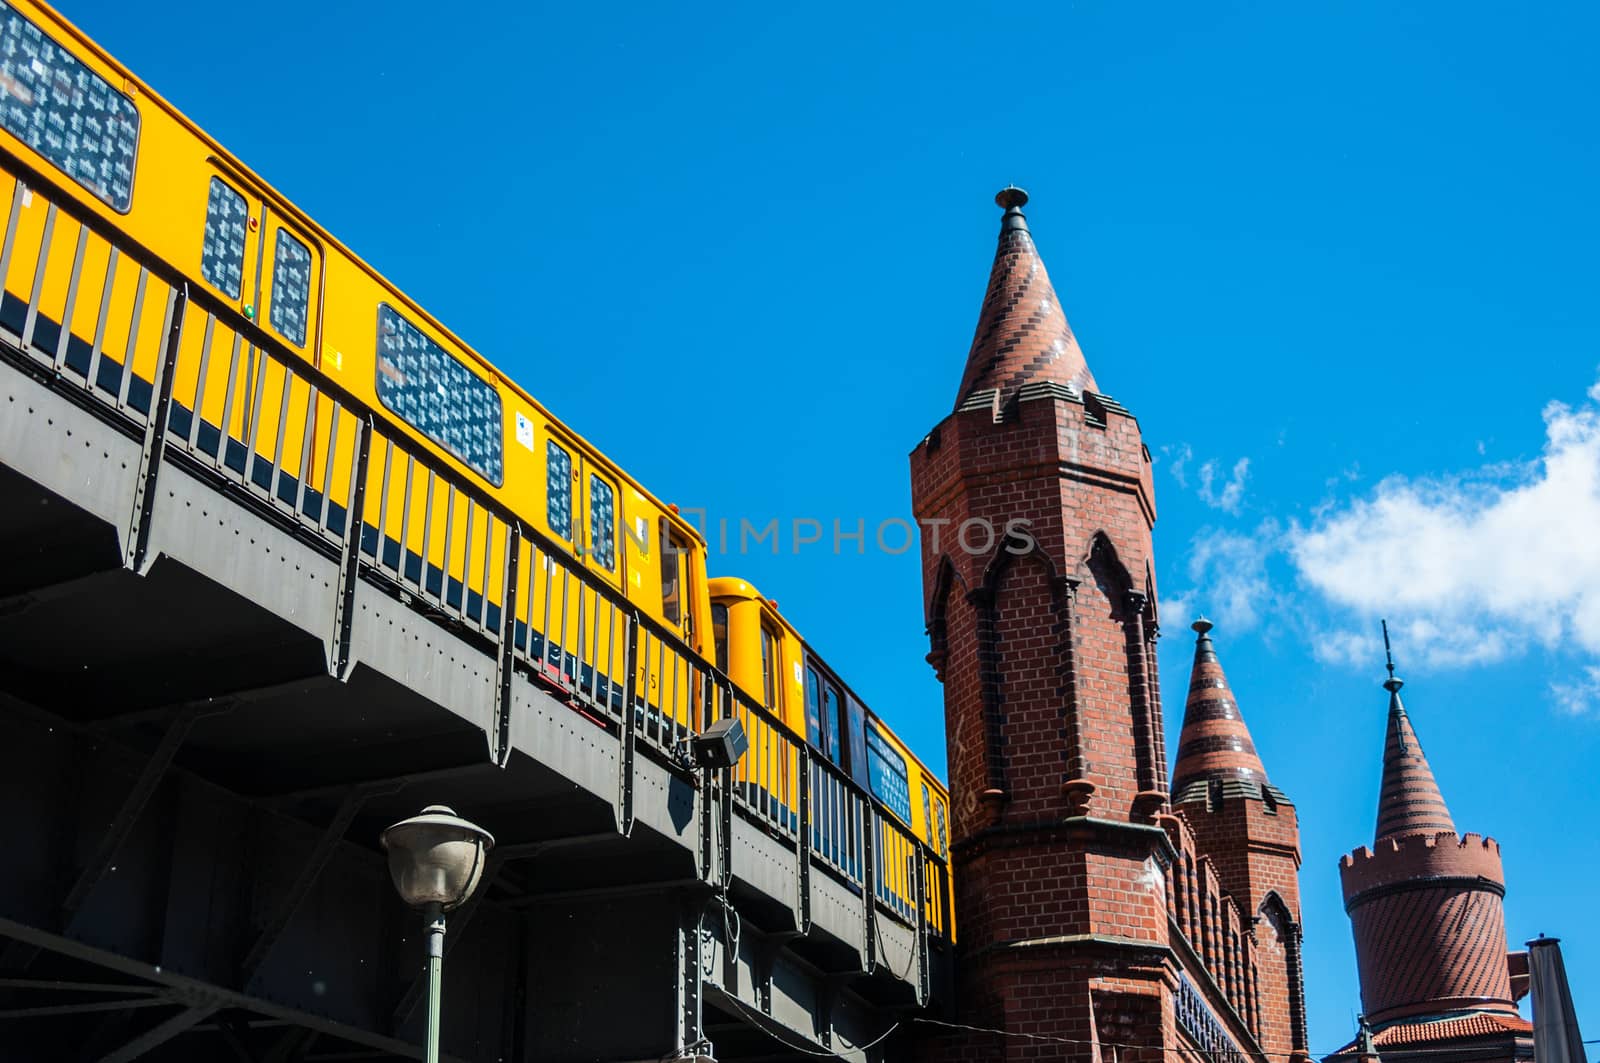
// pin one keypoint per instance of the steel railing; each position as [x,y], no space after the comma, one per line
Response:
[213,386]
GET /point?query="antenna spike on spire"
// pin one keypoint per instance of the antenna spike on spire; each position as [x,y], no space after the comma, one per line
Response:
[1388,654]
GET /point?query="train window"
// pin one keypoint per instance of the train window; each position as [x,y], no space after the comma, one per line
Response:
[832,702]
[671,576]
[602,522]
[927,811]
[66,112]
[558,490]
[222,252]
[888,770]
[813,708]
[769,668]
[719,634]
[824,703]
[438,395]
[291,288]
[856,740]
[938,811]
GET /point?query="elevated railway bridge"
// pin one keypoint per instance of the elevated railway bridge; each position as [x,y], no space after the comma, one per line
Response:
[219,680]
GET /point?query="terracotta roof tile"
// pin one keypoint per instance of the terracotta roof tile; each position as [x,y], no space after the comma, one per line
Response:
[1432,1031]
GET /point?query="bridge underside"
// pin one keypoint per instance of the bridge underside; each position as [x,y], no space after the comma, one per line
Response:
[192,804]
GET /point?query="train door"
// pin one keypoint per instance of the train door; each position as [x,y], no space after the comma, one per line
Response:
[834,829]
[229,253]
[679,591]
[595,623]
[554,583]
[268,270]
[288,276]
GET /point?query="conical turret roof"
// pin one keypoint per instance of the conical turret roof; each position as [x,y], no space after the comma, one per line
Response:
[1215,743]
[1409,801]
[1022,335]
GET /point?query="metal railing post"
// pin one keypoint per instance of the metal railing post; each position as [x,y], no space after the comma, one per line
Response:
[500,741]
[339,662]
[869,890]
[627,736]
[155,434]
[802,895]
[919,880]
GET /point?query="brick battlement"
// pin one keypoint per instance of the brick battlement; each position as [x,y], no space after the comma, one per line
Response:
[1447,888]
[1421,857]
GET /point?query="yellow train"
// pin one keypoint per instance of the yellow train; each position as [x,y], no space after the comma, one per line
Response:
[152,268]
[763,653]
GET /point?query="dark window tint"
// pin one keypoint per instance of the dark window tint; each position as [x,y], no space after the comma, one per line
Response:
[832,702]
[66,112]
[222,253]
[769,668]
[437,395]
[813,708]
[558,490]
[888,771]
[671,603]
[291,288]
[719,634]
[602,522]
[856,742]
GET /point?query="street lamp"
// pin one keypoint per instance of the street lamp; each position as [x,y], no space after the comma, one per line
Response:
[436,860]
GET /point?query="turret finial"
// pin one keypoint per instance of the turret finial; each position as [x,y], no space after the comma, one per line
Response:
[1011,197]
[1394,682]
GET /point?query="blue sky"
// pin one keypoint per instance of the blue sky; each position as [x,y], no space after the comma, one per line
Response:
[1338,259]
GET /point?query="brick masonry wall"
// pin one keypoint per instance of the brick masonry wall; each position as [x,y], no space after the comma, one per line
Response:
[1429,922]
[1256,854]
[1066,894]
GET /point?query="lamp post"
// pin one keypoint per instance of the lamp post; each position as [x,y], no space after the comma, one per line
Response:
[436,859]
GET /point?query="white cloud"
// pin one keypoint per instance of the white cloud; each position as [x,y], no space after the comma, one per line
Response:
[1179,457]
[1473,567]
[1227,494]
[1229,574]
[1580,697]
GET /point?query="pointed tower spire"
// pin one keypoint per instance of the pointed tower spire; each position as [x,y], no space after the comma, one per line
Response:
[1215,743]
[1409,801]
[1022,335]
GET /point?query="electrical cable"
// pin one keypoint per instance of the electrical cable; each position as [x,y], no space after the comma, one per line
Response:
[1182,1053]
[805,1050]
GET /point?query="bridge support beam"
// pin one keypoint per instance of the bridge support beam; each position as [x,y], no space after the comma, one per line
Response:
[614,978]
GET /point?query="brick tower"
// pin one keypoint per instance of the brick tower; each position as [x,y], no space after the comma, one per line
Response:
[1035,500]
[1425,905]
[1248,828]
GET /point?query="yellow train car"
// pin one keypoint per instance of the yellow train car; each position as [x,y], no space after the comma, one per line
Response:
[146,264]
[762,653]
[112,157]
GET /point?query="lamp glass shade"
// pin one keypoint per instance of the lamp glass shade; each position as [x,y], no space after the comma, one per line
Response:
[436,857]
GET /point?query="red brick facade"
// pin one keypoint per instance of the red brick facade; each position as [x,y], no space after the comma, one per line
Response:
[1095,921]
[1248,828]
